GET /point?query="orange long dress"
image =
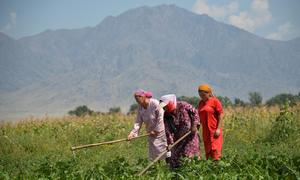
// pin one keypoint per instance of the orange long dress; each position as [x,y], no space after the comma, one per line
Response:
[208,113]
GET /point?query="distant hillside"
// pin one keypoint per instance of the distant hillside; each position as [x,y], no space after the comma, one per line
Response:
[164,49]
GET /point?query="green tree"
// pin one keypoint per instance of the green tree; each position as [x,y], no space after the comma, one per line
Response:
[282,99]
[81,111]
[133,108]
[225,101]
[255,98]
[191,100]
[115,110]
[239,102]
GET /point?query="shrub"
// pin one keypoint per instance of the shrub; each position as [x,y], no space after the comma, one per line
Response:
[282,99]
[255,98]
[225,101]
[81,111]
[191,100]
[114,110]
[133,109]
[239,102]
[283,126]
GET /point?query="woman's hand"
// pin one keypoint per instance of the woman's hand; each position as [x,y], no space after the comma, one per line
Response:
[217,133]
[131,135]
[154,133]
[169,147]
[194,130]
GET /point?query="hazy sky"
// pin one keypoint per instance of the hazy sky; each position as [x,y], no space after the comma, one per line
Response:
[273,19]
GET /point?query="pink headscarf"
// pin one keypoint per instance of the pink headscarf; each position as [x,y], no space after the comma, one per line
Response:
[141,92]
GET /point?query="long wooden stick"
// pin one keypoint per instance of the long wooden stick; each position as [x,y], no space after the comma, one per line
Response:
[161,154]
[103,143]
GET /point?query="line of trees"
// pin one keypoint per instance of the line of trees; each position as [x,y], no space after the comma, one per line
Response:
[83,110]
[255,99]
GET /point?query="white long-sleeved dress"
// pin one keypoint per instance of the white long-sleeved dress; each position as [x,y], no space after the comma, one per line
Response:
[152,117]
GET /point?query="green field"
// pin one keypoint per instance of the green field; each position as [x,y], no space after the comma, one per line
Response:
[259,143]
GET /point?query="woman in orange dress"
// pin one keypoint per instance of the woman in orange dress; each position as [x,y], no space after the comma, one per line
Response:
[210,113]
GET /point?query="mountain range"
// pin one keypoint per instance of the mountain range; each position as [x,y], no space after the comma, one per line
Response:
[164,49]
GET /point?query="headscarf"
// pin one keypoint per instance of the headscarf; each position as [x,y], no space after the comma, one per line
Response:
[205,87]
[143,93]
[169,101]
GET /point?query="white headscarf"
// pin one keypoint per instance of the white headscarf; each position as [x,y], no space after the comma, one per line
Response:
[166,99]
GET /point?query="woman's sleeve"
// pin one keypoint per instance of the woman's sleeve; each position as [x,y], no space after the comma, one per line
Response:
[137,125]
[218,107]
[159,119]
[169,134]
[193,113]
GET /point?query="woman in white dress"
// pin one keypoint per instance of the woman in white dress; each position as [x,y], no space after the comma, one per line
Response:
[151,114]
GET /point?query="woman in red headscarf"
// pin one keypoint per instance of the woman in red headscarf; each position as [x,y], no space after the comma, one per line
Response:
[151,114]
[210,113]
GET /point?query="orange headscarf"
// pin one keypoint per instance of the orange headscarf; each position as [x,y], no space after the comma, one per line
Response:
[205,87]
